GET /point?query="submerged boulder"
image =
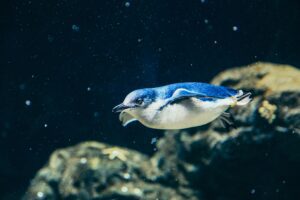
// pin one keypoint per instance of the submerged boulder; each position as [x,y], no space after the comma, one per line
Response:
[276,91]
[260,159]
[94,170]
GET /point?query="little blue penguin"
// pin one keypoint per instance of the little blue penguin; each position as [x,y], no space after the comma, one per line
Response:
[180,105]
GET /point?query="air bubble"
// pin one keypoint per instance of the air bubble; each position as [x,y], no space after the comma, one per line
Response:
[235,28]
[127,4]
[28,103]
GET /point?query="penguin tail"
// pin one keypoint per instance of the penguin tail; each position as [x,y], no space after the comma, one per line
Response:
[243,98]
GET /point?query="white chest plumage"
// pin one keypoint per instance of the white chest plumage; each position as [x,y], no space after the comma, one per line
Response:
[188,113]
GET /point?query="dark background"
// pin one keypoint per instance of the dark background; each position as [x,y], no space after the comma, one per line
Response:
[72,61]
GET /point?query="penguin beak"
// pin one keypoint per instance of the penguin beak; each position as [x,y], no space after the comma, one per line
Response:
[121,107]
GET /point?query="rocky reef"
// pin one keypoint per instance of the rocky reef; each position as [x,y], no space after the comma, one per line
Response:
[93,170]
[260,159]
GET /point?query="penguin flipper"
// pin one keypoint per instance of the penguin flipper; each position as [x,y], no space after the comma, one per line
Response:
[182,94]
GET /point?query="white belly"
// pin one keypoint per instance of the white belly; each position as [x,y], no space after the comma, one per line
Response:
[187,114]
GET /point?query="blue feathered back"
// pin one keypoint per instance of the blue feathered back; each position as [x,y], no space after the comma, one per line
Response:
[197,87]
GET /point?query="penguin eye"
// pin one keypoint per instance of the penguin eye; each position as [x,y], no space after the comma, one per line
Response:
[139,101]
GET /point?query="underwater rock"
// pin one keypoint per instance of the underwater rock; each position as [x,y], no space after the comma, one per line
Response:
[258,160]
[94,170]
[276,91]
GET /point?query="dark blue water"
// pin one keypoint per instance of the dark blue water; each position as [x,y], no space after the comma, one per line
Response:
[65,64]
